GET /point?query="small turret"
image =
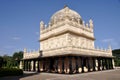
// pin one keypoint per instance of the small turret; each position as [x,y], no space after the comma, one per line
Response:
[87,25]
[54,20]
[78,20]
[65,6]
[109,48]
[84,23]
[42,26]
[91,23]
[45,26]
[97,48]
[25,50]
[49,24]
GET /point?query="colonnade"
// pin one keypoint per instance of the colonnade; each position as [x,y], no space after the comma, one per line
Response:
[68,64]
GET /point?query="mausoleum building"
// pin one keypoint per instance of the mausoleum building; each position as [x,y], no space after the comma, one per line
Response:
[67,46]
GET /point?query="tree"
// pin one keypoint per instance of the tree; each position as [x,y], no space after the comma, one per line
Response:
[7,61]
[116,53]
[11,61]
[17,56]
[1,61]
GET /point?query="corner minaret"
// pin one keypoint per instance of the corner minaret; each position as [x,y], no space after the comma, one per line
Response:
[110,49]
[91,23]
[42,26]
[25,50]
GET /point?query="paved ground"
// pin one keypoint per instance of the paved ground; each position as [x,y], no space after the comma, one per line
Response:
[100,75]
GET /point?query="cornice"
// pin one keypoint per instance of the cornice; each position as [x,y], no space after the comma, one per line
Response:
[67,31]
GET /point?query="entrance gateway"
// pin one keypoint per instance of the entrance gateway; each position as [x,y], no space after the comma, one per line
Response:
[67,46]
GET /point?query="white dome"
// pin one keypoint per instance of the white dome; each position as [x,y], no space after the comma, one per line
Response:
[65,13]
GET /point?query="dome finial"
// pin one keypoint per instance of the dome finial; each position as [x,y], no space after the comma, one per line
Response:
[65,6]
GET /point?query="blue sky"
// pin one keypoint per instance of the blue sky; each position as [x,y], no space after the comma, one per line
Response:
[19,21]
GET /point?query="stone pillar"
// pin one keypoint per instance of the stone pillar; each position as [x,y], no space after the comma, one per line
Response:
[93,63]
[88,64]
[111,66]
[76,61]
[49,64]
[24,67]
[109,63]
[96,64]
[113,63]
[102,63]
[43,61]
[56,65]
[34,65]
[38,65]
[106,63]
[70,65]
[62,65]
[30,65]
[27,65]
[21,65]
[99,64]
[82,63]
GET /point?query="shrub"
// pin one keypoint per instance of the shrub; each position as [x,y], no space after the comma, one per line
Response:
[10,72]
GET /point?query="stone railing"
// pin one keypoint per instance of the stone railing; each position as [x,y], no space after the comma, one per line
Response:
[68,51]
[79,27]
[77,51]
[29,55]
[65,28]
[67,21]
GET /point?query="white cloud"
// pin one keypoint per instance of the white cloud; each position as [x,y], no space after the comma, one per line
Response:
[114,43]
[2,53]
[16,38]
[37,33]
[108,40]
[8,47]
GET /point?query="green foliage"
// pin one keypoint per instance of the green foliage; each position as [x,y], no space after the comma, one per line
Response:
[1,61]
[18,55]
[7,61]
[116,53]
[11,61]
[10,72]
[8,64]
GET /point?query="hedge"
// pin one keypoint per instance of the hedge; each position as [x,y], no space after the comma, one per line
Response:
[10,72]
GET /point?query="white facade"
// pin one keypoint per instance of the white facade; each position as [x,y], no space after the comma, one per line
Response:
[66,32]
[67,46]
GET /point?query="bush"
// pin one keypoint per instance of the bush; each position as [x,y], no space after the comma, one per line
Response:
[10,72]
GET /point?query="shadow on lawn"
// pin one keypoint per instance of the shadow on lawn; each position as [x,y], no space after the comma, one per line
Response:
[25,74]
